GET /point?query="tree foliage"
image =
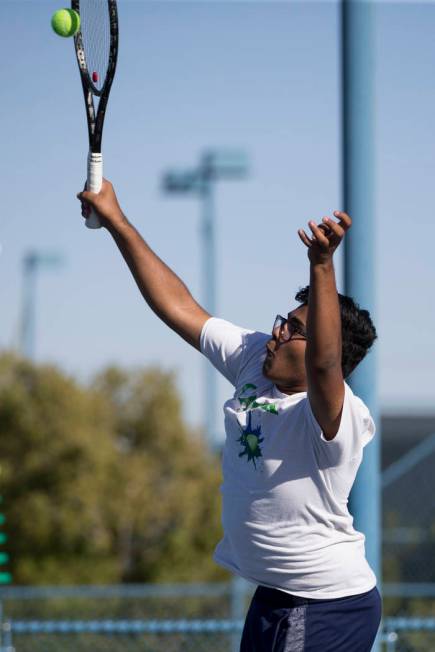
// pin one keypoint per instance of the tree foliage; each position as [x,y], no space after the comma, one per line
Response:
[104,483]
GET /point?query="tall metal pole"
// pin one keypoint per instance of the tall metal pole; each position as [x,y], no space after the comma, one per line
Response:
[27,335]
[209,291]
[32,261]
[359,251]
[213,166]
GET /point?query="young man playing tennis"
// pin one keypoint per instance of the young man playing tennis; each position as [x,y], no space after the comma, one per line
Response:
[295,434]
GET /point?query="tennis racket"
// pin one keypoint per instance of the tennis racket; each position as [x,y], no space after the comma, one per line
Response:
[96,46]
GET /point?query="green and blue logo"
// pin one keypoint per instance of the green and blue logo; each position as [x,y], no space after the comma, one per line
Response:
[251,438]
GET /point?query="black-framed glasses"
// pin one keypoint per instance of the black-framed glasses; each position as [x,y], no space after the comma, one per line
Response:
[287,329]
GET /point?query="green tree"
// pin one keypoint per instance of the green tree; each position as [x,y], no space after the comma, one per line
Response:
[103,483]
[54,455]
[165,510]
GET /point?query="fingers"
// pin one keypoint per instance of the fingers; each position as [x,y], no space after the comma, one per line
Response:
[89,199]
[345,219]
[85,195]
[104,203]
[319,234]
[328,226]
[86,208]
[334,227]
[305,239]
[323,234]
[309,241]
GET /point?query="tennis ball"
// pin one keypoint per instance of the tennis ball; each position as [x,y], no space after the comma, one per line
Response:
[65,22]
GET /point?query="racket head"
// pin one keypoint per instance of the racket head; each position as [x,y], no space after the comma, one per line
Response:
[96,46]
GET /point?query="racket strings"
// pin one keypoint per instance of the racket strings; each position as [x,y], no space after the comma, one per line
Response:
[95,29]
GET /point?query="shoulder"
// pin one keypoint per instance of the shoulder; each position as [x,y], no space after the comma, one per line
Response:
[230,348]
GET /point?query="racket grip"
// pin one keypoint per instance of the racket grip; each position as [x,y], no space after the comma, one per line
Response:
[94,183]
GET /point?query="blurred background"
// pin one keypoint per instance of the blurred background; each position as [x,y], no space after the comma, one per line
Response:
[107,476]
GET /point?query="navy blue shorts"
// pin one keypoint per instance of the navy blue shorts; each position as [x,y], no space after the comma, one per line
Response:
[280,622]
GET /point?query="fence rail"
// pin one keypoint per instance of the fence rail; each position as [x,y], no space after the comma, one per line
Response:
[390,628]
[124,626]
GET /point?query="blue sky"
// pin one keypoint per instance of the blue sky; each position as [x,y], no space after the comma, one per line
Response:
[259,76]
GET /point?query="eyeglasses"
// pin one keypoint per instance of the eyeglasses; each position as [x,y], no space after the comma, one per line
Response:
[287,330]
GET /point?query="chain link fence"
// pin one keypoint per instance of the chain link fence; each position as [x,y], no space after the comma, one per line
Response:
[126,602]
[408,544]
[125,636]
[28,627]
[204,617]
[408,511]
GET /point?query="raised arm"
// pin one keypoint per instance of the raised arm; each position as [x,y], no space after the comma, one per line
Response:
[161,288]
[323,352]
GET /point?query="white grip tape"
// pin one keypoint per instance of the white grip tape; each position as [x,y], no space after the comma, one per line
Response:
[94,183]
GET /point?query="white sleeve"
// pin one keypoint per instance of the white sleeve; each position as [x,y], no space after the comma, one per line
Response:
[223,344]
[356,430]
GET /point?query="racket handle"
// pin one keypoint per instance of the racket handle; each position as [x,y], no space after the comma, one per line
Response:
[94,183]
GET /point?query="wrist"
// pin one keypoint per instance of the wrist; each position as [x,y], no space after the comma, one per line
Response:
[326,265]
[116,223]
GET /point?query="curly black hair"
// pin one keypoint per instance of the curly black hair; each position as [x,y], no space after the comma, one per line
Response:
[357,330]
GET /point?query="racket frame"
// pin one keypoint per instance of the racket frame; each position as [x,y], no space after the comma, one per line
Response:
[95,119]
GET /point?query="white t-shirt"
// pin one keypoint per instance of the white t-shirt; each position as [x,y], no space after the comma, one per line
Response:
[285,487]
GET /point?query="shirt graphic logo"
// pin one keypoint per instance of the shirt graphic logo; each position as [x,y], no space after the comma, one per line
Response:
[251,439]
[248,400]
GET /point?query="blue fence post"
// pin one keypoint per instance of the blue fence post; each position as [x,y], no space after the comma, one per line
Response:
[6,630]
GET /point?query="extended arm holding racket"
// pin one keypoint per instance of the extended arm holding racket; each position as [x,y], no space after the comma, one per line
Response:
[164,292]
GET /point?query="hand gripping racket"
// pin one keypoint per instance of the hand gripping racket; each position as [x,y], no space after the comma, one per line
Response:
[96,46]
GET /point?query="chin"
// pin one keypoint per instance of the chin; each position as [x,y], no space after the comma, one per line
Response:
[267,369]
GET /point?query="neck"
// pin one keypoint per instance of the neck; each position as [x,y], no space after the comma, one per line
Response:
[287,389]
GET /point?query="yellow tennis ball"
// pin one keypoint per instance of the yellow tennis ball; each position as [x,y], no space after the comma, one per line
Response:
[65,22]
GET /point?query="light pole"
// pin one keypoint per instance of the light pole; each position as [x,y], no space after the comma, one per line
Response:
[213,165]
[32,261]
[358,142]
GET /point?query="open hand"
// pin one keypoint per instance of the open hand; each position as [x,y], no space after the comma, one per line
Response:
[326,237]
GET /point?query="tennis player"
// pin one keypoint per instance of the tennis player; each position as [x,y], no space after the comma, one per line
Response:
[295,434]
